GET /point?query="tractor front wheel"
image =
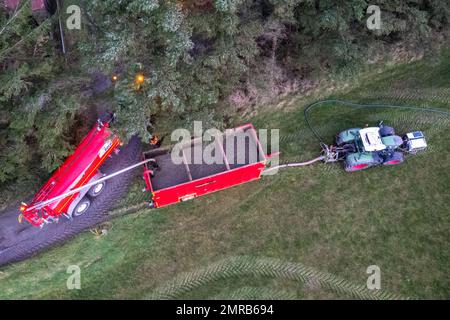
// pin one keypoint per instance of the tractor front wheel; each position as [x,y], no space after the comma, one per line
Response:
[386,131]
[396,158]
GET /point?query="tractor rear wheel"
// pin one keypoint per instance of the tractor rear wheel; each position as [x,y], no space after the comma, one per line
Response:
[82,206]
[356,167]
[347,136]
[361,160]
[396,158]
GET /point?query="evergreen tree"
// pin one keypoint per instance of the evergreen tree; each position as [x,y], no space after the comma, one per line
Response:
[34,118]
[177,61]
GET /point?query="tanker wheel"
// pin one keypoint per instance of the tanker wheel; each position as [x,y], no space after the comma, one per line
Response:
[95,190]
[82,206]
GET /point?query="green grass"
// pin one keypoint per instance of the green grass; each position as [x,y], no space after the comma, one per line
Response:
[320,217]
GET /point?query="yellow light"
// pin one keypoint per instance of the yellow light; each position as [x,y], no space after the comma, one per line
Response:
[115,78]
[139,79]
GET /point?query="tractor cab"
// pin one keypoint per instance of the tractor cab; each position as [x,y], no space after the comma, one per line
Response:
[370,140]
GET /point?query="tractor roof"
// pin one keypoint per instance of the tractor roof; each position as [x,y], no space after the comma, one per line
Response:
[371,139]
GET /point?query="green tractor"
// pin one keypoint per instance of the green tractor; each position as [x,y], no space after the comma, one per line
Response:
[362,148]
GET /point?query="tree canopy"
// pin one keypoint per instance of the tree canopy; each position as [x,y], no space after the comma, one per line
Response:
[194,55]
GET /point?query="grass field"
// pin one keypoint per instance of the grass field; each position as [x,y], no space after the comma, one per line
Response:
[302,234]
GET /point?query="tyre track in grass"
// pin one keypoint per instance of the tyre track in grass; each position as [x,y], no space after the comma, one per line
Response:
[249,293]
[244,266]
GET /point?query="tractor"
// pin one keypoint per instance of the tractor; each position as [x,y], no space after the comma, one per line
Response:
[362,148]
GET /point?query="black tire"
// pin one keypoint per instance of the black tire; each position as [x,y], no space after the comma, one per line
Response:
[81,207]
[94,191]
[396,158]
[358,167]
[340,143]
[386,131]
[32,240]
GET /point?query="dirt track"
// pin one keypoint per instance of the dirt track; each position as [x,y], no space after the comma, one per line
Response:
[20,241]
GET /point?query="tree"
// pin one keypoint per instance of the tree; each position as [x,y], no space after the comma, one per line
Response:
[34,117]
[190,55]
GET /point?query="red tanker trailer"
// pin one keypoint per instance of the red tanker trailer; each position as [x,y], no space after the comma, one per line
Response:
[79,169]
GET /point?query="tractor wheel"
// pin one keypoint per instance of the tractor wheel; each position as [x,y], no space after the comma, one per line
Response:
[361,160]
[356,167]
[386,131]
[82,206]
[347,136]
[96,189]
[396,158]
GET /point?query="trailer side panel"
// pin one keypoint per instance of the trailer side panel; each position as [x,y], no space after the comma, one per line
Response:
[241,159]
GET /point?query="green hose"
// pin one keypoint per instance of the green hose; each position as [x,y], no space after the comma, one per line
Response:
[360,105]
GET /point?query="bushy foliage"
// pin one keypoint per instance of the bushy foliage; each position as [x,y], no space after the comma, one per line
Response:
[193,54]
[35,110]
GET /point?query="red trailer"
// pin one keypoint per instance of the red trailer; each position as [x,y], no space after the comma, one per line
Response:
[238,158]
[241,159]
[79,169]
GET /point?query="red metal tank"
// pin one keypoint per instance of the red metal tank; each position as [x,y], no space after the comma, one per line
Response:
[78,169]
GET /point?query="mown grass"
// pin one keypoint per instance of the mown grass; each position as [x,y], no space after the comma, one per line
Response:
[320,216]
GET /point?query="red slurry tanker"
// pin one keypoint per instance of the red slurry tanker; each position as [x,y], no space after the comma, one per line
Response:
[79,169]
